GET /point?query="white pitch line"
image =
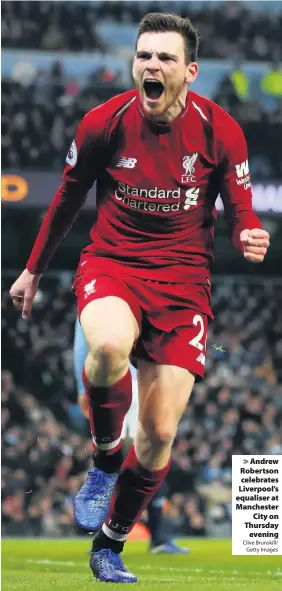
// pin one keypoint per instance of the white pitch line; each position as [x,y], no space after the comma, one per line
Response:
[165,569]
[55,562]
[210,571]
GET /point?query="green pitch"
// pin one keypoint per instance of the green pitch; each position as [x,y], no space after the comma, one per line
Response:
[40,564]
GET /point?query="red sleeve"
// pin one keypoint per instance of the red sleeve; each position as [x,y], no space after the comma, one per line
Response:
[84,159]
[235,191]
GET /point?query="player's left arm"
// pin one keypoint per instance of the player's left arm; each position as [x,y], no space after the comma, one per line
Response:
[245,227]
[80,350]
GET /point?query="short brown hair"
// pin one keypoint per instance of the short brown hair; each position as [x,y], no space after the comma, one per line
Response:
[159,22]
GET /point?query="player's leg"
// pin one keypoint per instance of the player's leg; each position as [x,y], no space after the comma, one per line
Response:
[163,395]
[164,391]
[155,507]
[176,355]
[110,329]
[160,541]
[110,414]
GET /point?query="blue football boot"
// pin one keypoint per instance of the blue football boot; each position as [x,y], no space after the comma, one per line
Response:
[92,503]
[107,566]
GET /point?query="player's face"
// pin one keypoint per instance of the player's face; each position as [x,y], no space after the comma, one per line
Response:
[161,73]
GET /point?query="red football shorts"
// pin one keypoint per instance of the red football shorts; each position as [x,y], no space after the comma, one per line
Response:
[172,318]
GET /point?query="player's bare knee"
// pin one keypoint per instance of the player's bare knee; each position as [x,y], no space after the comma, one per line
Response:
[160,434]
[109,353]
[107,362]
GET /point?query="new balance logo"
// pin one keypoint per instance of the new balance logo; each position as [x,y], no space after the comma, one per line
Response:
[242,169]
[126,162]
[201,358]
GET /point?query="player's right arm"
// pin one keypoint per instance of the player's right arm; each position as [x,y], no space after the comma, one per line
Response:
[80,350]
[84,160]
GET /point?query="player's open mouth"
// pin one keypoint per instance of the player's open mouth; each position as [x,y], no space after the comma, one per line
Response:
[153,89]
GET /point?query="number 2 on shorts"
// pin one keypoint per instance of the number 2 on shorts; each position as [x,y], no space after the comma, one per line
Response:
[195,342]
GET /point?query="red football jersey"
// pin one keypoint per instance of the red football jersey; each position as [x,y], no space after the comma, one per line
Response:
[156,188]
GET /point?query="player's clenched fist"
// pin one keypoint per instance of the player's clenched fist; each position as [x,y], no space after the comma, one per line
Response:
[255,243]
[23,292]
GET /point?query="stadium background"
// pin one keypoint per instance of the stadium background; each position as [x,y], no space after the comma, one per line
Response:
[59,59]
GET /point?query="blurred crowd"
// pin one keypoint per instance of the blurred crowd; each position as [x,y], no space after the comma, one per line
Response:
[46,448]
[41,107]
[50,25]
[260,119]
[41,111]
[73,25]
